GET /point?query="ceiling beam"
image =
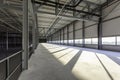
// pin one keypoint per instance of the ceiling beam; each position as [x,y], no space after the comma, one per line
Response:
[79,1]
[70,9]
[14,27]
[65,16]
[11,7]
[47,28]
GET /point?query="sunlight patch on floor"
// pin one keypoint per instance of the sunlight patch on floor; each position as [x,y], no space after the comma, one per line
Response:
[53,48]
[62,53]
[66,58]
[111,66]
[57,49]
[88,67]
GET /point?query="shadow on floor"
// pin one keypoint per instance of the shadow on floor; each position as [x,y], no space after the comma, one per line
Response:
[116,60]
[53,47]
[58,70]
[104,67]
[44,66]
[73,61]
[65,54]
[59,50]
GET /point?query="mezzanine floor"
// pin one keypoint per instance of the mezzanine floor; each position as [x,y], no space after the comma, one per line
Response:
[59,62]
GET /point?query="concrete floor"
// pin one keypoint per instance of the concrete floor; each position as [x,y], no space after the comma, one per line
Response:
[57,62]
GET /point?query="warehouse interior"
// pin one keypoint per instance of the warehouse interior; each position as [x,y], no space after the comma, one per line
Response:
[59,39]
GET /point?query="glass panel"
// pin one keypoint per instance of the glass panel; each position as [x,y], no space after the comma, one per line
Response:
[88,41]
[94,40]
[108,40]
[118,40]
[78,41]
[70,41]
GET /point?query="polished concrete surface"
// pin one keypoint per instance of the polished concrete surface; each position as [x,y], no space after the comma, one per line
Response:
[58,62]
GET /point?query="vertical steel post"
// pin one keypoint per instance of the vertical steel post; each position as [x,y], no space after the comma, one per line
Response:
[73,33]
[67,35]
[7,40]
[25,33]
[63,35]
[60,36]
[34,27]
[100,33]
[74,24]
[83,34]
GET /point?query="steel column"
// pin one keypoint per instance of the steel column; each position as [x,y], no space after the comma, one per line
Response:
[73,33]
[35,35]
[63,35]
[83,34]
[67,35]
[25,33]
[100,33]
[60,36]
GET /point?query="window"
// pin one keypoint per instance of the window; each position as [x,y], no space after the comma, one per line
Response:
[88,41]
[61,41]
[58,41]
[78,41]
[94,40]
[65,41]
[108,40]
[118,40]
[71,41]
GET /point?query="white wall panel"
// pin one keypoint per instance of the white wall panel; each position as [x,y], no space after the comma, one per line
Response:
[70,27]
[65,36]
[62,31]
[78,34]
[111,27]
[61,37]
[111,11]
[71,35]
[78,25]
[88,23]
[65,30]
[91,32]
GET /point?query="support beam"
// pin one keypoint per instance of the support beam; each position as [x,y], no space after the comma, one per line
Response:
[47,27]
[13,27]
[67,35]
[71,6]
[63,35]
[73,33]
[65,16]
[100,31]
[83,33]
[32,10]
[70,9]
[11,7]
[60,36]
[100,34]
[25,34]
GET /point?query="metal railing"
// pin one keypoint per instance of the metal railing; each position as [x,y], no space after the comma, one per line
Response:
[11,66]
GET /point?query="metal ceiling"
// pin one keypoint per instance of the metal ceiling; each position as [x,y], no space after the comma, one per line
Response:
[49,9]
[51,14]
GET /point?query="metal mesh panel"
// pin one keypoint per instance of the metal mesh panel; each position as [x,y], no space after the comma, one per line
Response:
[16,74]
[3,70]
[14,62]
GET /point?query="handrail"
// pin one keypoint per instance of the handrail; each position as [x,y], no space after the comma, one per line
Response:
[10,56]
